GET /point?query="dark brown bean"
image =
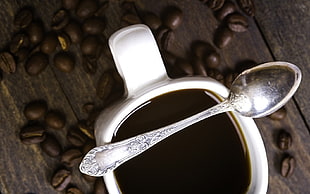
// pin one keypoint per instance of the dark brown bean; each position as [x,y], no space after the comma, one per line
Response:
[223,37]
[73,190]
[279,114]
[71,157]
[185,66]
[55,119]
[91,45]
[51,146]
[64,61]
[216,74]
[32,134]
[36,63]
[104,86]
[130,18]
[93,25]
[76,137]
[173,17]
[70,4]
[215,4]
[237,22]
[99,187]
[35,32]
[35,110]
[284,140]
[102,9]
[18,41]
[199,67]
[86,8]
[60,19]
[164,37]
[212,59]
[64,41]
[23,18]
[49,43]
[89,64]
[152,20]
[88,107]
[22,54]
[61,179]
[7,62]
[247,6]
[228,8]
[201,48]
[287,166]
[74,31]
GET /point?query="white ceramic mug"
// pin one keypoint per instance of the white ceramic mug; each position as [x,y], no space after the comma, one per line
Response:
[139,63]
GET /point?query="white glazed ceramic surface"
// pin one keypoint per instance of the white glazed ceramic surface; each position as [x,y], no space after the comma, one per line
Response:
[139,63]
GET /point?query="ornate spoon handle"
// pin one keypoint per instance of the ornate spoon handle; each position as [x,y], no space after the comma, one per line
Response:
[103,159]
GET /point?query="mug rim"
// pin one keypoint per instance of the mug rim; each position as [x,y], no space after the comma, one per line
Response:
[110,120]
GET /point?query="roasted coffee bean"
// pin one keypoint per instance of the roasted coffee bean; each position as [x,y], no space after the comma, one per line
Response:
[102,9]
[70,4]
[216,74]
[247,6]
[212,59]
[199,67]
[284,140]
[164,37]
[173,17]
[201,48]
[228,8]
[55,119]
[89,64]
[36,63]
[74,31]
[22,54]
[60,19]
[279,114]
[7,62]
[51,146]
[99,187]
[23,18]
[185,66]
[93,25]
[18,41]
[130,18]
[61,179]
[90,144]
[152,20]
[35,32]
[35,110]
[169,58]
[215,4]
[32,134]
[104,86]
[287,166]
[64,41]
[71,157]
[91,45]
[88,107]
[86,129]
[86,8]
[76,137]
[223,37]
[237,22]
[73,190]
[49,43]
[64,61]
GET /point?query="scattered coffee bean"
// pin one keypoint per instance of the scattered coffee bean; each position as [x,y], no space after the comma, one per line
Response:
[88,107]
[279,114]
[55,120]
[169,58]
[86,8]
[200,49]
[73,190]
[287,166]
[35,32]
[32,134]
[89,64]
[237,22]
[49,43]
[228,8]
[185,66]
[152,20]
[173,17]
[199,67]
[130,18]
[36,63]
[64,61]
[212,59]
[223,37]
[102,9]
[51,146]
[215,74]
[23,18]
[60,19]
[284,140]
[91,45]
[93,25]
[7,62]
[71,157]
[215,4]
[64,41]
[70,4]
[104,86]
[74,31]
[61,179]
[35,110]
[22,54]
[100,187]
[247,6]
[18,41]
[76,137]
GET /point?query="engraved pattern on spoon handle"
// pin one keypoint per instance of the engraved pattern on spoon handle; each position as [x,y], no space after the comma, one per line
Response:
[103,159]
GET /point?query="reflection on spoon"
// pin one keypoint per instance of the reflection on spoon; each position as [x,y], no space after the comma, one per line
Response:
[256,92]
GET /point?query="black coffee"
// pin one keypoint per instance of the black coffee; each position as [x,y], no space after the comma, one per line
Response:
[207,157]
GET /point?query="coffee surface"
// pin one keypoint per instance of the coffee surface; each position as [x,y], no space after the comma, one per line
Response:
[207,157]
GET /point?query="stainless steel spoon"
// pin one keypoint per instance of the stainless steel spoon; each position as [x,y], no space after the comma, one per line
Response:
[256,92]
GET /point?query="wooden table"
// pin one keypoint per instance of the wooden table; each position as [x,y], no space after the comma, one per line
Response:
[278,31]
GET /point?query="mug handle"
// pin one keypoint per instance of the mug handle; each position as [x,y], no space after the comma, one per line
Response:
[137,58]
